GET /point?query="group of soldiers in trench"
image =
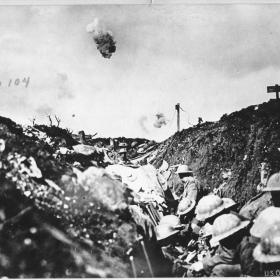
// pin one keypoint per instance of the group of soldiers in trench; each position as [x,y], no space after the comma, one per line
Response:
[206,236]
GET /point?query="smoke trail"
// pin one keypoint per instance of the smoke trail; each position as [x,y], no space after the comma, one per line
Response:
[160,120]
[142,122]
[103,38]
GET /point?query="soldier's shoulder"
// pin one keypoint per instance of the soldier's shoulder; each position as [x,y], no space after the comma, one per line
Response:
[192,180]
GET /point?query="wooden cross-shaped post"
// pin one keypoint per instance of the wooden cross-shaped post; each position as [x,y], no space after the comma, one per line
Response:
[275,89]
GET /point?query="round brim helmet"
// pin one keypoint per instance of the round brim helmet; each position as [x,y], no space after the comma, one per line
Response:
[209,206]
[225,176]
[123,145]
[165,231]
[261,257]
[267,218]
[227,225]
[273,183]
[185,206]
[268,250]
[166,227]
[182,169]
[228,202]
[214,243]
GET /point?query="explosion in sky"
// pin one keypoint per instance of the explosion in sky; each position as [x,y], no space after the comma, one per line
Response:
[160,120]
[102,37]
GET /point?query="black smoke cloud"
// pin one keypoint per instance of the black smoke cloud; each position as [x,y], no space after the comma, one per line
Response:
[160,120]
[103,38]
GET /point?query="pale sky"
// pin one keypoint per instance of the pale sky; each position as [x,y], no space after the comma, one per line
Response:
[211,59]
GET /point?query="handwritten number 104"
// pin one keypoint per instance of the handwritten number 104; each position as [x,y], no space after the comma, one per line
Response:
[17,82]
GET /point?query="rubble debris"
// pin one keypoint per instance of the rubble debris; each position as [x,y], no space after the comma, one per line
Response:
[72,204]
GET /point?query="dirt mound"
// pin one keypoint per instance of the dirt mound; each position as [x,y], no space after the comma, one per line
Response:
[239,141]
[56,221]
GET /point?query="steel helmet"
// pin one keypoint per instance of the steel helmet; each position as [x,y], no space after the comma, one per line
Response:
[228,202]
[225,175]
[185,206]
[273,183]
[165,231]
[133,144]
[184,169]
[208,206]
[225,226]
[265,220]
[268,250]
[166,227]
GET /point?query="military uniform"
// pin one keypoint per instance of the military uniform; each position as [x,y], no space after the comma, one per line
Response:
[191,188]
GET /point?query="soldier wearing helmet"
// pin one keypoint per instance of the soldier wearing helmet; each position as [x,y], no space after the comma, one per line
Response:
[267,252]
[221,190]
[123,152]
[168,229]
[228,230]
[191,185]
[273,186]
[185,209]
[266,219]
[208,209]
[270,196]
[211,206]
[171,241]
[264,172]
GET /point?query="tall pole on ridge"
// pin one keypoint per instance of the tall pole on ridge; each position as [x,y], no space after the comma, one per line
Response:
[177,108]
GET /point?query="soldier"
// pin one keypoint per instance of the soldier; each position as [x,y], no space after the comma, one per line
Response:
[82,137]
[169,230]
[228,230]
[170,240]
[273,186]
[265,220]
[191,185]
[220,191]
[123,154]
[185,210]
[210,206]
[264,172]
[267,252]
[207,210]
[270,196]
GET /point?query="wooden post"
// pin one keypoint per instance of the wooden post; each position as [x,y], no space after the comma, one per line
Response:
[275,89]
[177,108]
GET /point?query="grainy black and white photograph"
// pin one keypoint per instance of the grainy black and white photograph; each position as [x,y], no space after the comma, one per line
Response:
[139,140]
